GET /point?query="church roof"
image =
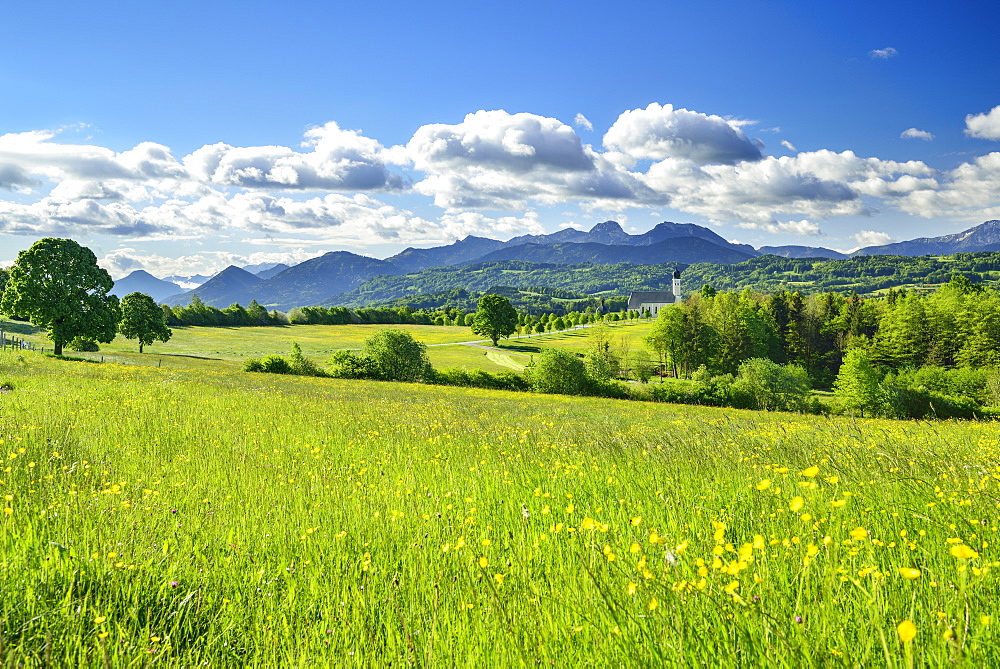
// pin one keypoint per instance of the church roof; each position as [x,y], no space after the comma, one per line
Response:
[650,297]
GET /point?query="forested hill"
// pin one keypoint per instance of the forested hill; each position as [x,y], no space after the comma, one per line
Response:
[583,278]
[767,274]
[862,274]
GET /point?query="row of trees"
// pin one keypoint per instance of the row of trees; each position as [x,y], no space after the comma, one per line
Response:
[755,381]
[56,284]
[957,325]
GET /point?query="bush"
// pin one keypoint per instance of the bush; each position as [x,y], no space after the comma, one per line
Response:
[396,356]
[558,372]
[301,365]
[252,365]
[925,403]
[765,385]
[480,379]
[272,364]
[349,365]
[83,344]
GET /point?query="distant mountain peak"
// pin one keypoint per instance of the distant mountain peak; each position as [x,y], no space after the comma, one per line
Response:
[607,226]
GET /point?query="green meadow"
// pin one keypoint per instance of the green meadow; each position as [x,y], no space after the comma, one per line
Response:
[211,347]
[192,513]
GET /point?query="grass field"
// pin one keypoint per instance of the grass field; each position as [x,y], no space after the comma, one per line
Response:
[207,347]
[180,516]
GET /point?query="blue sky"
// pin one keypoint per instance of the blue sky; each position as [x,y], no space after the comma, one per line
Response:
[182,137]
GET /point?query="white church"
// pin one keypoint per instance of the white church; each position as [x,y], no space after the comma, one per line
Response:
[654,300]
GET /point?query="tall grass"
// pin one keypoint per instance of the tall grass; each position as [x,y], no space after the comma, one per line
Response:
[180,517]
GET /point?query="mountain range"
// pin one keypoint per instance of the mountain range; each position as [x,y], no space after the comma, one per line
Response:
[323,279]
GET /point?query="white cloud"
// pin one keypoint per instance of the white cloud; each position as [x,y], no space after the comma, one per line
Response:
[660,131]
[497,160]
[984,126]
[498,140]
[484,173]
[49,216]
[803,227]
[971,191]
[32,153]
[125,260]
[913,133]
[581,121]
[883,54]
[816,184]
[871,238]
[463,224]
[14,177]
[340,160]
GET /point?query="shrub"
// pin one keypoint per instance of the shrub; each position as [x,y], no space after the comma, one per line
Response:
[558,372]
[349,365]
[924,403]
[765,385]
[83,344]
[480,379]
[275,364]
[301,365]
[252,365]
[396,356]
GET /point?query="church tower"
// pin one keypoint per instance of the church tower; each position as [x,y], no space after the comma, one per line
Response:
[676,288]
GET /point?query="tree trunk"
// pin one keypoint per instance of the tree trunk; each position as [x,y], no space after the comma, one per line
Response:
[57,347]
[140,347]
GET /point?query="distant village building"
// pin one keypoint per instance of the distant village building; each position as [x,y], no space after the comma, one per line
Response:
[653,300]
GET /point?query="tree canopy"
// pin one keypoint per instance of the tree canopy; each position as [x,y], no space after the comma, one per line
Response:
[142,319]
[396,356]
[57,285]
[495,318]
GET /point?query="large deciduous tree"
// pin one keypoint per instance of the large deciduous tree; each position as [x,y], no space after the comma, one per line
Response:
[495,318]
[143,319]
[57,285]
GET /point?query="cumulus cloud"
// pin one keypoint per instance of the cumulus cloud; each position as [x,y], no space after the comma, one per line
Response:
[32,153]
[984,126]
[816,184]
[83,217]
[340,160]
[659,132]
[970,191]
[484,172]
[493,159]
[581,121]
[125,260]
[883,54]
[495,139]
[14,177]
[913,133]
[871,238]
[803,227]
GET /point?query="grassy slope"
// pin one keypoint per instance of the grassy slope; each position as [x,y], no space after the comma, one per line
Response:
[212,515]
[204,348]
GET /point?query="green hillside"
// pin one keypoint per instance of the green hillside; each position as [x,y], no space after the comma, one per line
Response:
[443,286]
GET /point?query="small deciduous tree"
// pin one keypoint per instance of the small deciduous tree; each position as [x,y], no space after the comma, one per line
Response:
[57,285]
[600,362]
[396,356]
[495,317]
[765,385]
[143,319]
[557,371]
[859,384]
